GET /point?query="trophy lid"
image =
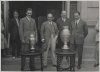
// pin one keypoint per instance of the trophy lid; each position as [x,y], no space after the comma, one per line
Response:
[31,35]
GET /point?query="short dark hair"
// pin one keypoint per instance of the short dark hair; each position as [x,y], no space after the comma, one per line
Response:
[77,12]
[15,11]
[28,9]
[49,13]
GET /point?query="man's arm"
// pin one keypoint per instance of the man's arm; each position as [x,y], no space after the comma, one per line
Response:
[42,32]
[85,29]
[70,25]
[35,30]
[21,30]
[97,27]
[58,25]
[56,30]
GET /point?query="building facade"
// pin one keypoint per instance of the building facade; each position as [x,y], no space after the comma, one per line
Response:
[89,11]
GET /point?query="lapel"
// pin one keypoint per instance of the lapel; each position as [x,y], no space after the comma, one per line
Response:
[63,21]
[26,20]
[49,26]
[79,24]
[15,22]
[73,24]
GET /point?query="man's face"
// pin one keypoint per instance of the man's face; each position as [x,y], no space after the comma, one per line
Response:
[16,14]
[29,13]
[50,17]
[64,14]
[76,16]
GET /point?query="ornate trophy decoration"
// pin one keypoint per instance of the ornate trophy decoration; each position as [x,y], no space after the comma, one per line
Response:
[65,34]
[32,42]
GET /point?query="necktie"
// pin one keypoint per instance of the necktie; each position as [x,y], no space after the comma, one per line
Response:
[76,23]
[51,27]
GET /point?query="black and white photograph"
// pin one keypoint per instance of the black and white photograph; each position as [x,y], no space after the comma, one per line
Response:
[49,35]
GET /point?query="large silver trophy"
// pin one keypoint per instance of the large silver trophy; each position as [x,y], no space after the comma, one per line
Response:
[64,35]
[32,42]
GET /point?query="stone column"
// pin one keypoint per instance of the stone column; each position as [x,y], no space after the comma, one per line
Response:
[6,19]
[89,11]
[67,8]
[63,5]
[82,8]
[6,12]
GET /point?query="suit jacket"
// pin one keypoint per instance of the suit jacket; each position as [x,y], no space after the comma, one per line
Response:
[61,23]
[13,29]
[26,28]
[46,30]
[79,32]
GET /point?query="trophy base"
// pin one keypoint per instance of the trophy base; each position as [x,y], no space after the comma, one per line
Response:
[32,50]
[65,47]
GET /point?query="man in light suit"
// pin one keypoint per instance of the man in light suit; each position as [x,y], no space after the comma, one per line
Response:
[49,34]
[26,28]
[79,31]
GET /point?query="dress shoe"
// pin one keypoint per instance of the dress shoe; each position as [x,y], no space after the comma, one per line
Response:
[44,66]
[13,57]
[54,65]
[19,56]
[78,67]
[95,65]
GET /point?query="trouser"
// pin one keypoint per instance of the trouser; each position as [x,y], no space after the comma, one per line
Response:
[60,43]
[79,49]
[25,47]
[51,45]
[16,47]
[3,52]
[97,53]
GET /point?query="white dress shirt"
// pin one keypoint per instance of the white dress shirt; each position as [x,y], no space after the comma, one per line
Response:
[64,19]
[17,22]
[77,21]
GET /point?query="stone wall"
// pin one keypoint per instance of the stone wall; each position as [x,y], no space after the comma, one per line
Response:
[90,13]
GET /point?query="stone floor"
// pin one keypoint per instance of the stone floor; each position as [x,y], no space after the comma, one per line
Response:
[8,64]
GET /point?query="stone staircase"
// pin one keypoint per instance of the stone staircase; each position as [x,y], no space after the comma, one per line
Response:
[89,53]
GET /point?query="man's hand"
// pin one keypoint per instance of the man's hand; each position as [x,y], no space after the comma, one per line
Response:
[23,41]
[56,36]
[42,40]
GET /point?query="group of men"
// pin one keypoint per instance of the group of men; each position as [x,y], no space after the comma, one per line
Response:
[50,34]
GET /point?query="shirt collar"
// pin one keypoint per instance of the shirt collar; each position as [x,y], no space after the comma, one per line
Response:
[77,20]
[50,22]
[28,18]
[64,19]
[17,21]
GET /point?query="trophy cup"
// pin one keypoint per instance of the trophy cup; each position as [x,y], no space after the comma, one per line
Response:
[64,35]
[32,42]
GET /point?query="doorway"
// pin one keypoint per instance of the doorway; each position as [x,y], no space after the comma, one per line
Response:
[39,8]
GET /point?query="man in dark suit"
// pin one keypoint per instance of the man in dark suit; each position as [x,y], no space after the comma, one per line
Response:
[62,21]
[49,34]
[26,28]
[14,35]
[79,31]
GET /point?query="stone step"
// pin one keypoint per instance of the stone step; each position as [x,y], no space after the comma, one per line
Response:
[89,52]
